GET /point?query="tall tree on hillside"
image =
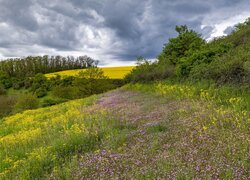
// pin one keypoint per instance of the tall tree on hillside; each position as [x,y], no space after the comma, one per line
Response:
[186,42]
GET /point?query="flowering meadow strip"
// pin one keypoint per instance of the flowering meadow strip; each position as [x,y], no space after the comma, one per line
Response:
[111,72]
[36,141]
[214,129]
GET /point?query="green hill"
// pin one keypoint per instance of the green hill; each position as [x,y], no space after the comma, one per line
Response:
[189,57]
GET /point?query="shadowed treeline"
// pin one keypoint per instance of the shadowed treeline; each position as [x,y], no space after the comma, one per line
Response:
[29,66]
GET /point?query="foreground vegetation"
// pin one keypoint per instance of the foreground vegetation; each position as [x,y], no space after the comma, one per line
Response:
[163,130]
[37,140]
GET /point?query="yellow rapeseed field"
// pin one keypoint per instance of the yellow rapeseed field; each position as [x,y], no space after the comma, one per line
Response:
[111,72]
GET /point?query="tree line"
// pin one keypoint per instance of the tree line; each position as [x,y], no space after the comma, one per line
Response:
[31,65]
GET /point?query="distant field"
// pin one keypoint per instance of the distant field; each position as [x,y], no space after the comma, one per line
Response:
[111,72]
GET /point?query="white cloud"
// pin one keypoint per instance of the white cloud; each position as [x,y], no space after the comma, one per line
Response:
[220,27]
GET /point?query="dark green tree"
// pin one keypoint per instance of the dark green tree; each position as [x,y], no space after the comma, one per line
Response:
[184,44]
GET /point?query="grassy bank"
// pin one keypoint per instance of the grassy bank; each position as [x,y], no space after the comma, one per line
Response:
[147,131]
[37,141]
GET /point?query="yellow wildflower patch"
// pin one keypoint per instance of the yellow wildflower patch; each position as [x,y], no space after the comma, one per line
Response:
[111,72]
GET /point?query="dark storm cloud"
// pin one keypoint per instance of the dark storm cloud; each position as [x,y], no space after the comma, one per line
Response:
[109,29]
[18,13]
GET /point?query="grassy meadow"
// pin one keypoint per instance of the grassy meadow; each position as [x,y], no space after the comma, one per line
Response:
[37,141]
[141,131]
[111,72]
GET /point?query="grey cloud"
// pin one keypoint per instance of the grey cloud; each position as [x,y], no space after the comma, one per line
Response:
[107,29]
[206,31]
[229,30]
[18,13]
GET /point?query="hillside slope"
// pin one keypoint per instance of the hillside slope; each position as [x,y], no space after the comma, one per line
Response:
[159,130]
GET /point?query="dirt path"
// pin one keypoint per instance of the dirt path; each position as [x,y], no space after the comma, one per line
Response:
[134,106]
[159,140]
[146,117]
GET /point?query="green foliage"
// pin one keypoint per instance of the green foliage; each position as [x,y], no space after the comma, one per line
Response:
[241,34]
[28,82]
[6,105]
[5,80]
[92,81]
[41,92]
[207,54]
[65,92]
[2,90]
[92,74]
[40,85]
[17,83]
[188,56]
[31,65]
[229,68]
[49,101]
[183,45]
[26,101]
[148,71]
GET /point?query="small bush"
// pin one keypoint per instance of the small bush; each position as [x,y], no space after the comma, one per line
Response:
[6,105]
[39,81]
[26,101]
[92,81]
[147,71]
[41,92]
[2,90]
[65,92]
[52,101]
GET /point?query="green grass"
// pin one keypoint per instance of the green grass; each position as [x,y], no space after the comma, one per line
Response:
[162,130]
[36,141]
[12,91]
[227,95]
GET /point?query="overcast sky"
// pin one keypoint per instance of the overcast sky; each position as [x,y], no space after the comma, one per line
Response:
[112,31]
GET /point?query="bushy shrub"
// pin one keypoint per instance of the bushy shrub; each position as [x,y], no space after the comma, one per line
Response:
[2,90]
[5,80]
[246,67]
[187,42]
[6,105]
[66,92]
[18,84]
[229,68]
[92,81]
[28,82]
[67,81]
[149,71]
[41,92]
[52,101]
[26,101]
[205,55]
[230,72]
[39,81]
[188,56]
